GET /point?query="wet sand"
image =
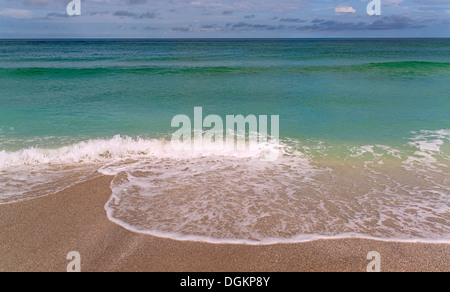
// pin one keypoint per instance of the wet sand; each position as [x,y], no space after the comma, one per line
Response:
[37,235]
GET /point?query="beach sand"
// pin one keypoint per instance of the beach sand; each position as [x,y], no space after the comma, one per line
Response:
[37,235]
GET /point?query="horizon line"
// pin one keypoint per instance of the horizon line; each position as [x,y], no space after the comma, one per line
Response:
[219,38]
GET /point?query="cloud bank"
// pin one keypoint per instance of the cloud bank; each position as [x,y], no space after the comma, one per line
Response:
[224,18]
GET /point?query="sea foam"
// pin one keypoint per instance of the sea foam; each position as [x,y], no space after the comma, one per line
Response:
[229,197]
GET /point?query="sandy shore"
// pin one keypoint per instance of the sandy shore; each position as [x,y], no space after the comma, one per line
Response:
[36,235]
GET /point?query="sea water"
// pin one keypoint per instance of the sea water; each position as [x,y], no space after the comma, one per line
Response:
[364,134]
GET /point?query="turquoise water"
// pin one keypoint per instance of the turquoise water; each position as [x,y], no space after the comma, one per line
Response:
[346,91]
[379,108]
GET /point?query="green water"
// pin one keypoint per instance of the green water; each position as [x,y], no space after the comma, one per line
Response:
[364,134]
[345,91]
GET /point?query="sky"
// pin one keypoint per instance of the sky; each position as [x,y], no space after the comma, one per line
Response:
[224,19]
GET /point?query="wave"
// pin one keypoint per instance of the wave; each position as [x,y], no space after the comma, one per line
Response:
[402,68]
[406,68]
[35,172]
[379,192]
[118,148]
[140,70]
[422,144]
[295,199]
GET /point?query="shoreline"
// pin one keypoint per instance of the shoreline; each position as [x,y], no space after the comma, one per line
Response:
[38,234]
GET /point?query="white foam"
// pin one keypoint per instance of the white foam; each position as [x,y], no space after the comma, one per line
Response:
[247,201]
[272,241]
[28,173]
[427,147]
[430,141]
[221,196]
[29,182]
[91,151]
[117,148]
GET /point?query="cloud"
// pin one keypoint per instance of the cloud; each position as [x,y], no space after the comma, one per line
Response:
[231,17]
[38,2]
[125,13]
[345,9]
[394,22]
[55,14]
[293,20]
[94,13]
[396,2]
[243,6]
[16,13]
[432,1]
[136,2]
[250,26]
[181,28]
[209,26]
[42,3]
[150,15]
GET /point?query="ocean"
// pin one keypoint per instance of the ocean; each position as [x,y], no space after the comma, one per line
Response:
[364,134]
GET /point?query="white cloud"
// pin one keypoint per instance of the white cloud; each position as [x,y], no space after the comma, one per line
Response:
[37,2]
[393,2]
[16,13]
[345,9]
